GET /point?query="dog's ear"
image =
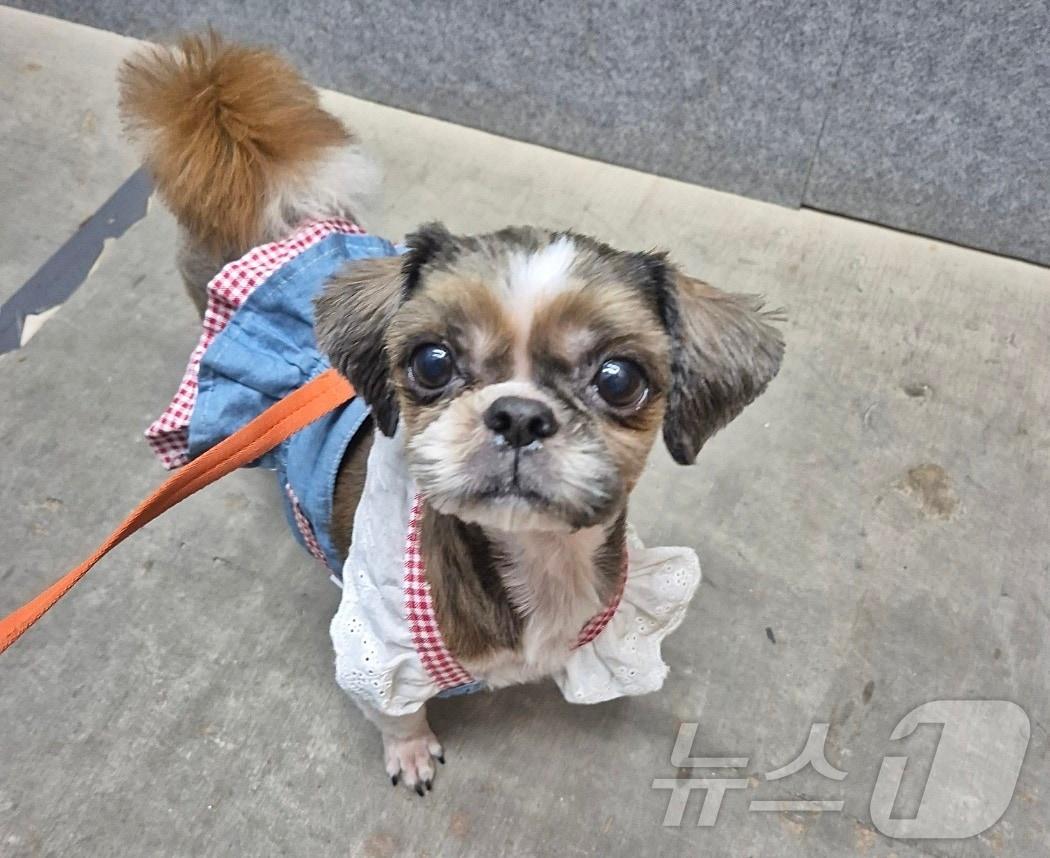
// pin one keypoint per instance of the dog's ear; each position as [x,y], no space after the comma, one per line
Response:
[351,316]
[431,244]
[724,351]
[353,312]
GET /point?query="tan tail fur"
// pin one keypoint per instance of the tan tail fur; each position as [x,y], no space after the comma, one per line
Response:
[238,144]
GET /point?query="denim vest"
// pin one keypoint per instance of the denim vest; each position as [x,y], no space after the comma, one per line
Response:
[267,350]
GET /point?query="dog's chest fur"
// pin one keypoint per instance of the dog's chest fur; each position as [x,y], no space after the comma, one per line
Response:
[555,585]
[530,595]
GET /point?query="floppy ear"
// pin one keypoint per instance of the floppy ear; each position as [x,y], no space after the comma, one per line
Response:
[353,312]
[351,316]
[724,351]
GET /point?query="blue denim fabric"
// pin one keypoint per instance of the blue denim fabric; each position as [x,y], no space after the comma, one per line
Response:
[268,350]
[465,688]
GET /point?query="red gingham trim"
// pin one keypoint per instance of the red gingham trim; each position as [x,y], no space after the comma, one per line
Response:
[168,435]
[305,528]
[439,663]
[596,624]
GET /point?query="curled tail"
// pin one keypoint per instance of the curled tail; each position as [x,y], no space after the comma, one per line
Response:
[238,144]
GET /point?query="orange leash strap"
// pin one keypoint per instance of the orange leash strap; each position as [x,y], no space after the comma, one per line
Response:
[281,420]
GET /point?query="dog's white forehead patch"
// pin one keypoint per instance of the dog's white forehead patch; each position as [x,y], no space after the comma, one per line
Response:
[544,272]
[531,280]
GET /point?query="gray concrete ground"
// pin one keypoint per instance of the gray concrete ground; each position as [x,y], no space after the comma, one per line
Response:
[873,534]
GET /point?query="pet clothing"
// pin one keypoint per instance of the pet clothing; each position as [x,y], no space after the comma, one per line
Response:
[258,345]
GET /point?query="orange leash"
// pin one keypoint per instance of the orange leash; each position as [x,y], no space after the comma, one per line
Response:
[281,420]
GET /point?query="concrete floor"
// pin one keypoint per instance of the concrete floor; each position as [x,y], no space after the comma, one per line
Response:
[873,534]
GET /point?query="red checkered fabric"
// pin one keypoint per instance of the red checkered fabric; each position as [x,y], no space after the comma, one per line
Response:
[596,624]
[439,663]
[168,435]
[305,528]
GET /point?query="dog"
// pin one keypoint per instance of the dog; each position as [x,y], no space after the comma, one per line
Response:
[511,386]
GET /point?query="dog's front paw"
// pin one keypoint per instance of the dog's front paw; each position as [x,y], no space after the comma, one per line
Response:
[411,760]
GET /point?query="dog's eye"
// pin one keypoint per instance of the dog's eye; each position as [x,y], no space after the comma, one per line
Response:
[621,383]
[431,365]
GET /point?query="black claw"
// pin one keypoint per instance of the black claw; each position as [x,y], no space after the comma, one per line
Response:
[419,790]
[441,759]
[429,784]
[393,780]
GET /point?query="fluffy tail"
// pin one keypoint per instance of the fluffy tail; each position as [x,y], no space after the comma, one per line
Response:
[238,144]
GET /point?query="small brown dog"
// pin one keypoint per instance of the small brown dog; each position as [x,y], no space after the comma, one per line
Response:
[517,382]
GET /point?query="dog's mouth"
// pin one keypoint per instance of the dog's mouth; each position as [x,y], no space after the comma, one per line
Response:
[515,489]
[514,492]
[514,486]
[513,503]
[510,509]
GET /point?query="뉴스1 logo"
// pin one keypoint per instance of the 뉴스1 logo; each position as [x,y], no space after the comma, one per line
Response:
[971,779]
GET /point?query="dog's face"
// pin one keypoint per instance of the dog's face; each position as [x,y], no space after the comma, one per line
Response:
[531,370]
[531,377]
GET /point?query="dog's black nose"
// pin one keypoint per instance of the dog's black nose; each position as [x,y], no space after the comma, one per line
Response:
[520,421]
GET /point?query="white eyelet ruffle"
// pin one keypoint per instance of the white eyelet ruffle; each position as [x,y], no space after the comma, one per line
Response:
[376,660]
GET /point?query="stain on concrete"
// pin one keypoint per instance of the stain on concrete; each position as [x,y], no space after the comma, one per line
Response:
[794,823]
[769,634]
[932,487]
[869,690]
[863,839]
[994,838]
[235,501]
[380,845]
[459,825]
[918,389]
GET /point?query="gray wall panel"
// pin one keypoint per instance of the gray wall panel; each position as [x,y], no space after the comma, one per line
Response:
[729,95]
[929,116]
[940,124]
